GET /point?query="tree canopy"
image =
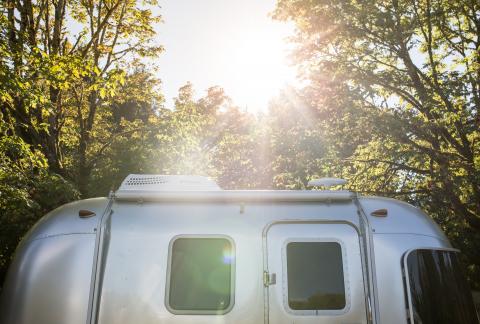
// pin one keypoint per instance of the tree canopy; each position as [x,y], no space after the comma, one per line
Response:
[396,84]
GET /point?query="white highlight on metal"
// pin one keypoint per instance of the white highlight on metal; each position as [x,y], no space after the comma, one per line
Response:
[326,182]
[158,182]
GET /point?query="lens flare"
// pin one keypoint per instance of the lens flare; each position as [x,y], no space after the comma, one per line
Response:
[227,256]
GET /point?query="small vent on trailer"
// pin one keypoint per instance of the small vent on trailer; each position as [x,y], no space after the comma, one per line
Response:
[148,180]
[153,182]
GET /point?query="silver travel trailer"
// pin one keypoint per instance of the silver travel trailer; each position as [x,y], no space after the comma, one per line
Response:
[178,249]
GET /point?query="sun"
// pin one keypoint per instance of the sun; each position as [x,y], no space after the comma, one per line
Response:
[260,67]
[233,44]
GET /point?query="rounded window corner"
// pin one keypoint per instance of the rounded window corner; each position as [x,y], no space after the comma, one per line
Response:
[199,258]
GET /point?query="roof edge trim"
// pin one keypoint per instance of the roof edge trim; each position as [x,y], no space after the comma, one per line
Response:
[236,196]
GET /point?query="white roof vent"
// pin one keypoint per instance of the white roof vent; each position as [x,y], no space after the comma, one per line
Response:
[326,182]
[157,182]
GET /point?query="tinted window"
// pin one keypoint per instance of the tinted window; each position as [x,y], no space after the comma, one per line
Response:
[439,291]
[315,276]
[201,274]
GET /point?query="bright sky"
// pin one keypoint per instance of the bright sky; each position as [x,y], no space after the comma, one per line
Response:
[230,43]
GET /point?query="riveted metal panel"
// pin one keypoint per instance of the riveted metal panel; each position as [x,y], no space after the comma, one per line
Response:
[65,219]
[401,218]
[389,251]
[49,281]
[135,269]
[346,234]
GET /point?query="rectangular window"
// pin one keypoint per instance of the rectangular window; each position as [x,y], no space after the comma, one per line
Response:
[315,276]
[201,275]
[439,293]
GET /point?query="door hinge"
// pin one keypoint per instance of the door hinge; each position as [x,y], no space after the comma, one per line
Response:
[269,278]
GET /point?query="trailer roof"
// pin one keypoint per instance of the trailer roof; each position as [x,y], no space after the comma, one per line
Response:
[184,188]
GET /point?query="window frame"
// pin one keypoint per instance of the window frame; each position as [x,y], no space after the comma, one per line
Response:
[232,275]
[320,312]
[406,274]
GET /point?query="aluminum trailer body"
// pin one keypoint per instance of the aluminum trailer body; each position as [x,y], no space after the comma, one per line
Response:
[191,253]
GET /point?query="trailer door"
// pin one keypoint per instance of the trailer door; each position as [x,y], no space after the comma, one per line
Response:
[313,274]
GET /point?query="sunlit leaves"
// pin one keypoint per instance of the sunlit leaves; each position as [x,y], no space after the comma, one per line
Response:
[398,81]
[63,67]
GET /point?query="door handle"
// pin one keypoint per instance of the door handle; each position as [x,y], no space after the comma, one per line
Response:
[269,279]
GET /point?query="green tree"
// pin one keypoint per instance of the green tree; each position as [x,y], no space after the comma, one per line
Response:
[127,145]
[396,86]
[64,99]
[59,99]
[296,140]
[27,191]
